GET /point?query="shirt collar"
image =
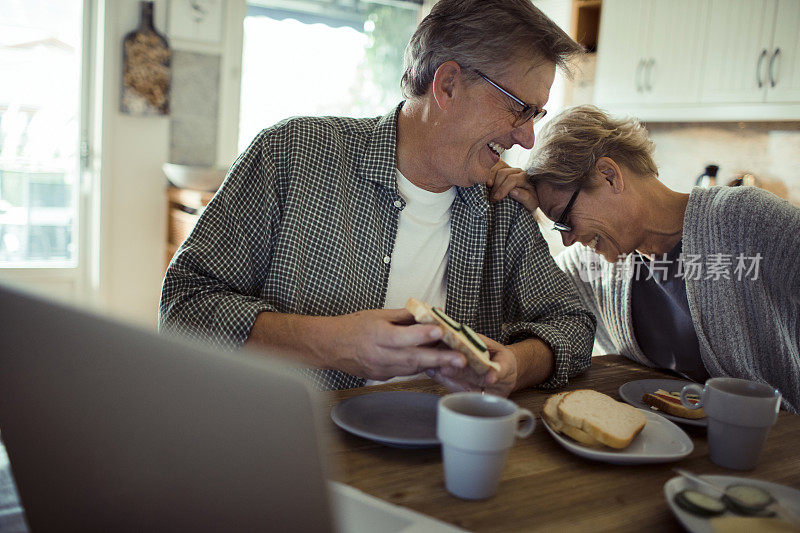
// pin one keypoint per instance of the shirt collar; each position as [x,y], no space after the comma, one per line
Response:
[476,197]
[379,160]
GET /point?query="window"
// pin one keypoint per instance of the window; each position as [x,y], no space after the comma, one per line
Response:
[316,57]
[40,67]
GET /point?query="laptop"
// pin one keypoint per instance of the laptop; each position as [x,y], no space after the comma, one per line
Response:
[112,428]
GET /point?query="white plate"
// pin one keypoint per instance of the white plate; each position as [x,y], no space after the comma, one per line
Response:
[632,392]
[660,441]
[787,497]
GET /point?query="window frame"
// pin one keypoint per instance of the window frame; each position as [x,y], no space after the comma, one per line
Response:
[79,279]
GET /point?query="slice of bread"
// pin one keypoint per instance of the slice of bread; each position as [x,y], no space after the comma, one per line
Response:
[550,415]
[613,423]
[663,401]
[454,335]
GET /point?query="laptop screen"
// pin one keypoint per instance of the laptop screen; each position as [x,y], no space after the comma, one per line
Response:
[109,427]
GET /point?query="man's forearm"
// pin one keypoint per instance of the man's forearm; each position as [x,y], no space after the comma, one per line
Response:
[535,362]
[295,334]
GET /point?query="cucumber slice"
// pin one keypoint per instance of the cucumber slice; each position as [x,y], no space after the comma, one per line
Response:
[447,320]
[747,499]
[699,503]
[473,338]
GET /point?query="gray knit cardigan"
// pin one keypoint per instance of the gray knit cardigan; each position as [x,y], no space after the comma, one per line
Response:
[748,328]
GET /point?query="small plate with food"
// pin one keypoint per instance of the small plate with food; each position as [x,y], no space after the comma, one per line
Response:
[663,396]
[727,503]
[596,426]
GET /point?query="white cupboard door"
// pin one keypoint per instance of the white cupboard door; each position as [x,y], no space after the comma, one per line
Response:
[783,67]
[737,50]
[677,32]
[621,52]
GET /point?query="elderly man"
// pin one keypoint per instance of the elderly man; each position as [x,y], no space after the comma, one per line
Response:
[324,227]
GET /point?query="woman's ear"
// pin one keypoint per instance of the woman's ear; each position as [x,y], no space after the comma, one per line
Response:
[444,83]
[609,171]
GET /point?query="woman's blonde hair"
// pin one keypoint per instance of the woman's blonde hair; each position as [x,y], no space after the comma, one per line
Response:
[569,146]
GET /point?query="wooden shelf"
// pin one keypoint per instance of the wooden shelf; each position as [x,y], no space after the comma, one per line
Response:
[189,197]
[585,24]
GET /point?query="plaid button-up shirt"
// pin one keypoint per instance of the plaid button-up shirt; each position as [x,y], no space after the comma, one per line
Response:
[305,223]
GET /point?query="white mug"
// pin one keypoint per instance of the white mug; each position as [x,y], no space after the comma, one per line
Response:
[740,414]
[476,431]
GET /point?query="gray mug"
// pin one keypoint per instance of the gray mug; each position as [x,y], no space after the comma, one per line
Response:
[740,414]
[476,431]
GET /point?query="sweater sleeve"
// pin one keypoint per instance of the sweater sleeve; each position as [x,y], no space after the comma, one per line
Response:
[770,231]
[748,315]
[573,262]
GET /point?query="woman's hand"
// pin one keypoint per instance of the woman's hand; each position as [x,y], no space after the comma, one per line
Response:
[508,181]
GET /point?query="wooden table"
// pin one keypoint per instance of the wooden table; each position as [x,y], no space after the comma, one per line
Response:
[545,487]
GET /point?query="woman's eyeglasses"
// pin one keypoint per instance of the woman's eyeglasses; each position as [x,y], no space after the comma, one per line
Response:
[561,223]
[528,111]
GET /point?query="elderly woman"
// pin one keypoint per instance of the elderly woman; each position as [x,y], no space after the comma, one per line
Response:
[702,284]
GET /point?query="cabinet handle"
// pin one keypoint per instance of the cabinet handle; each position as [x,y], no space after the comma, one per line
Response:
[772,80]
[637,77]
[648,79]
[758,68]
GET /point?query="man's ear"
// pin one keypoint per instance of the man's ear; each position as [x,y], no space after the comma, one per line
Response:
[444,83]
[609,171]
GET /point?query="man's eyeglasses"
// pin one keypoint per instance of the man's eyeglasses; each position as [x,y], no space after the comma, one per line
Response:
[561,223]
[528,111]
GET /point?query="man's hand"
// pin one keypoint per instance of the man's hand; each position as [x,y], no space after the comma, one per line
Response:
[500,383]
[384,343]
[507,181]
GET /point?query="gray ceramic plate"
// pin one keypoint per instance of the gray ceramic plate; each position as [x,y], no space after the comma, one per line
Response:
[398,419]
[633,391]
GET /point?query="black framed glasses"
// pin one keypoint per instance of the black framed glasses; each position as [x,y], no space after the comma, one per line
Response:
[528,111]
[561,223]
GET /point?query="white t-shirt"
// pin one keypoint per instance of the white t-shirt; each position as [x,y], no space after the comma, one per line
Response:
[419,260]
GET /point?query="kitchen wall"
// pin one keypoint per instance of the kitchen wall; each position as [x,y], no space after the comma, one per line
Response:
[769,150]
[132,214]
[132,201]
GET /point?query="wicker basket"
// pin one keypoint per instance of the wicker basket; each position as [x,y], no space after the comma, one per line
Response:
[180,225]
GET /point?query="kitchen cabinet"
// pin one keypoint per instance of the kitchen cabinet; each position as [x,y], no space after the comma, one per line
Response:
[647,51]
[621,52]
[739,52]
[685,60]
[755,54]
[784,76]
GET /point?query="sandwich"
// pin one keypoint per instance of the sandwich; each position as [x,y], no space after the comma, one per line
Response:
[459,337]
[596,415]
[670,404]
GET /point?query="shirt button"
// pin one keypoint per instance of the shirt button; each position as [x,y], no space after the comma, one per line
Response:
[386,259]
[398,204]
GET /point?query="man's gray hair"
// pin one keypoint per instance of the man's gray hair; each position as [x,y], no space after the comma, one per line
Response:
[487,35]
